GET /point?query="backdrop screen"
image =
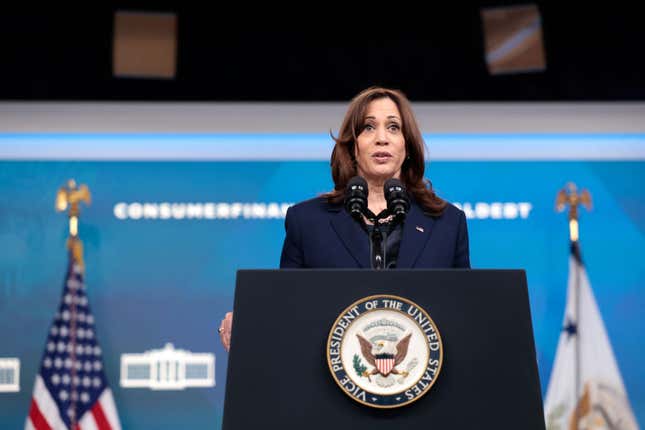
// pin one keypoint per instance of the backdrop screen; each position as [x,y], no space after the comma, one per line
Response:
[163,240]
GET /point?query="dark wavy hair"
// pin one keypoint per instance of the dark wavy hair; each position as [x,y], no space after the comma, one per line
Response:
[343,161]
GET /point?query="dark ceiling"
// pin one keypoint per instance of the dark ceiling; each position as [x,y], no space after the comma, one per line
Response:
[592,53]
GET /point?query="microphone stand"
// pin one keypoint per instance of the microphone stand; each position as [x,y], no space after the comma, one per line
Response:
[377,250]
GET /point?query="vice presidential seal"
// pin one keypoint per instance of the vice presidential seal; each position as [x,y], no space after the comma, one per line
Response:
[384,351]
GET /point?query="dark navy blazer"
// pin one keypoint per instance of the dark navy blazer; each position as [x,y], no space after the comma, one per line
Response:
[321,235]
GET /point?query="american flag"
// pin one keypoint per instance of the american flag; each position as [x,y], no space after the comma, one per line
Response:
[71,391]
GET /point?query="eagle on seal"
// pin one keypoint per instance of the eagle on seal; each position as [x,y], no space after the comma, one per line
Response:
[384,355]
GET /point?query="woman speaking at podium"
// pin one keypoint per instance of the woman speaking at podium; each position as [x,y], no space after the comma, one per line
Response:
[379,141]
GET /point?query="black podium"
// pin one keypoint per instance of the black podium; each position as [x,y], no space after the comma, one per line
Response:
[278,375]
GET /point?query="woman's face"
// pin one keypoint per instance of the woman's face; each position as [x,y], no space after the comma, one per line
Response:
[380,147]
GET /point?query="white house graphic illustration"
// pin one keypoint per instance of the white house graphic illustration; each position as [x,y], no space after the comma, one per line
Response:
[167,369]
[9,375]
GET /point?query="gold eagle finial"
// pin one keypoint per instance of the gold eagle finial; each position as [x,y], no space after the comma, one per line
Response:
[569,195]
[71,196]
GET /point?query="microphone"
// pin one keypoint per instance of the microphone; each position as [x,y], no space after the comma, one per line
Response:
[398,202]
[356,197]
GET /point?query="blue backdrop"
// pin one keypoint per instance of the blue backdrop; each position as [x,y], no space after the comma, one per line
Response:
[151,281]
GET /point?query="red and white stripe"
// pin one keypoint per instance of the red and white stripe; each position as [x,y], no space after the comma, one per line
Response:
[384,365]
[44,414]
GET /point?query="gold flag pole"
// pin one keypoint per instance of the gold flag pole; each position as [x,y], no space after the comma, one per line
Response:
[71,196]
[570,196]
